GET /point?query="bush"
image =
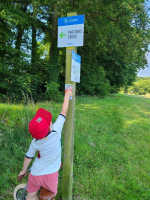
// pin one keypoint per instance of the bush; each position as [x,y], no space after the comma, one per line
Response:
[53,92]
[93,81]
[140,87]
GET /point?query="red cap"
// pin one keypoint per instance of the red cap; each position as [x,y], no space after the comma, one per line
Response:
[39,125]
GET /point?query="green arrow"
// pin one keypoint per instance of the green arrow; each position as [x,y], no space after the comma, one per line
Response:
[61,35]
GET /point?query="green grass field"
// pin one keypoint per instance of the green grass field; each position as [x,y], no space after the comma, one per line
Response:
[111,147]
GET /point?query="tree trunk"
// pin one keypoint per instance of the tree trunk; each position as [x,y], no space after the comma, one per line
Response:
[53,46]
[54,51]
[20,29]
[34,42]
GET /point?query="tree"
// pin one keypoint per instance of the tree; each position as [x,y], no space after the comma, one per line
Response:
[122,38]
[116,38]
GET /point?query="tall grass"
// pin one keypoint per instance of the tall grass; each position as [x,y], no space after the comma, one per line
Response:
[111,147]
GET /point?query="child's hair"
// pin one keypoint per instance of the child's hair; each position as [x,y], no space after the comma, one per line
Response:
[39,125]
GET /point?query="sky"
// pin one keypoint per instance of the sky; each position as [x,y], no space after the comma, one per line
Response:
[146,71]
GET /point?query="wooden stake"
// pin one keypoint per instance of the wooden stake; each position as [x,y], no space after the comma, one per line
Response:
[67,181]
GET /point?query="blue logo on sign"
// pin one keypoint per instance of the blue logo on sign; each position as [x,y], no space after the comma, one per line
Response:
[74,20]
[66,20]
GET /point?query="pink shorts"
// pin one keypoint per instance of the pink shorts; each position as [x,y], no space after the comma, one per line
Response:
[49,182]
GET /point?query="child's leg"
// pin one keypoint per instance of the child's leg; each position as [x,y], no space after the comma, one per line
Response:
[32,196]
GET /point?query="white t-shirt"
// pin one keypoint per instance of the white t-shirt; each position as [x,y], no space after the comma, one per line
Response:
[49,149]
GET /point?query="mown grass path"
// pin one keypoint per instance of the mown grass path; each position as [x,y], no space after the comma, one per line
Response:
[111,147]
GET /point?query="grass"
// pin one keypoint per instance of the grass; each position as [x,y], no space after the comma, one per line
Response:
[111,147]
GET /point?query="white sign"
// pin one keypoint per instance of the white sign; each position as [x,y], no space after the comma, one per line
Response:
[70,31]
[75,67]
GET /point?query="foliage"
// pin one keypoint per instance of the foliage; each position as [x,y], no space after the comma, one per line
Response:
[140,87]
[120,50]
[116,38]
[93,80]
[53,92]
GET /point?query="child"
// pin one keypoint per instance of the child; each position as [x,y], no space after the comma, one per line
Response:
[47,141]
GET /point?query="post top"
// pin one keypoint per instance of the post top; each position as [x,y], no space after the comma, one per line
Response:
[71,14]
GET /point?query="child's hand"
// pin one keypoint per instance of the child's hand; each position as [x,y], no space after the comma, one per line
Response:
[69,92]
[21,175]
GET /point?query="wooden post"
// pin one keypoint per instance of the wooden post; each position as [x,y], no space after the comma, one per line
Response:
[67,181]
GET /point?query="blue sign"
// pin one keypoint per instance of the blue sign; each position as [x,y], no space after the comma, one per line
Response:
[76,57]
[70,31]
[75,67]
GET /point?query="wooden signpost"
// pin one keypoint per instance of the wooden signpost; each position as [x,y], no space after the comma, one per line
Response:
[70,35]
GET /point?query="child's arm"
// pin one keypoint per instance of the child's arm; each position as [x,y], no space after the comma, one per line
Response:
[25,166]
[66,101]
